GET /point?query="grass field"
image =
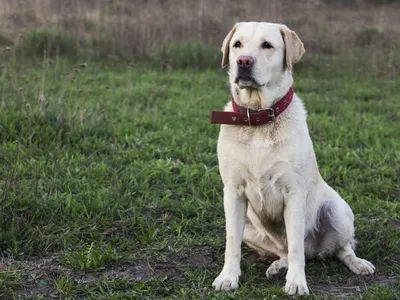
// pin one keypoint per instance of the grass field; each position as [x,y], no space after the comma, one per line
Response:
[110,186]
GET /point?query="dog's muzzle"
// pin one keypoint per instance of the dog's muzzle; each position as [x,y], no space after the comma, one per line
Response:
[244,76]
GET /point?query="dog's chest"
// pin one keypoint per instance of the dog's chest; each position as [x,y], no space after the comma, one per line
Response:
[262,182]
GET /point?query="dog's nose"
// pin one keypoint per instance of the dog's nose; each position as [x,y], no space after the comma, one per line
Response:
[245,61]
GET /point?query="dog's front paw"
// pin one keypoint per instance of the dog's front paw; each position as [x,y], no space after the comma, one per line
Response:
[227,280]
[296,284]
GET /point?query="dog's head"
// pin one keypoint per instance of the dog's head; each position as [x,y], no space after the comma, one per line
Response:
[257,53]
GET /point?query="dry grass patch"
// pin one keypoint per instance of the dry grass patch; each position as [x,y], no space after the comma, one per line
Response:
[125,30]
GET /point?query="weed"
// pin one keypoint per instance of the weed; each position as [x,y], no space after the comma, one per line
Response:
[64,285]
[92,257]
[10,280]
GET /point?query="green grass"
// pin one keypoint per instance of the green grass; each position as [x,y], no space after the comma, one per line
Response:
[110,186]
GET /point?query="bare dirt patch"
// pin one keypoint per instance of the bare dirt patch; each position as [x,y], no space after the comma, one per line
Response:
[38,274]
[353,286]
[171,266]
[142,270]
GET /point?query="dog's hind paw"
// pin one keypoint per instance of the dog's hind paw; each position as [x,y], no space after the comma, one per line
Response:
[361,266]
[277,268]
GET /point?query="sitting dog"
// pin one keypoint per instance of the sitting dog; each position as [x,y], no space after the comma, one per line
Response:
[275,199]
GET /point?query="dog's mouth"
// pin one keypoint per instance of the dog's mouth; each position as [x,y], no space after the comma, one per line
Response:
[246,81]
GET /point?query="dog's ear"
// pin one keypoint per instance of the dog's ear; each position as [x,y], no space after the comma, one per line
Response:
[294,48]
[225,46]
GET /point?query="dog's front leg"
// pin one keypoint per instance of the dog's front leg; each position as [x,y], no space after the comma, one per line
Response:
[294,215]
[235,206]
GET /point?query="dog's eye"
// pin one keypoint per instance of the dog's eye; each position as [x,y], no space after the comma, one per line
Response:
[237,44]
[266,45]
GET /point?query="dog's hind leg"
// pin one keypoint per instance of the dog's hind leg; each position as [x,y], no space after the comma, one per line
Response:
[357,265]
[337,223]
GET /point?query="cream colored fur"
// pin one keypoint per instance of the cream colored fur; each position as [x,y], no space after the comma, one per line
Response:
[275,200]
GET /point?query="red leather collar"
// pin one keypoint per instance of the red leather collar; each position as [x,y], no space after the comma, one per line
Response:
[245,116]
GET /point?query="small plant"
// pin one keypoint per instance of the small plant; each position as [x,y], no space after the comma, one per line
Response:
[93,257]
[9,280]
[64,285]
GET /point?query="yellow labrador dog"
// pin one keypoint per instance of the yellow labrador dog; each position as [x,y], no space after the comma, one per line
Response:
[275,200]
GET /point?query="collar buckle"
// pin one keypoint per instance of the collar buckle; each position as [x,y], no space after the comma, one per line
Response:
[271,114]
